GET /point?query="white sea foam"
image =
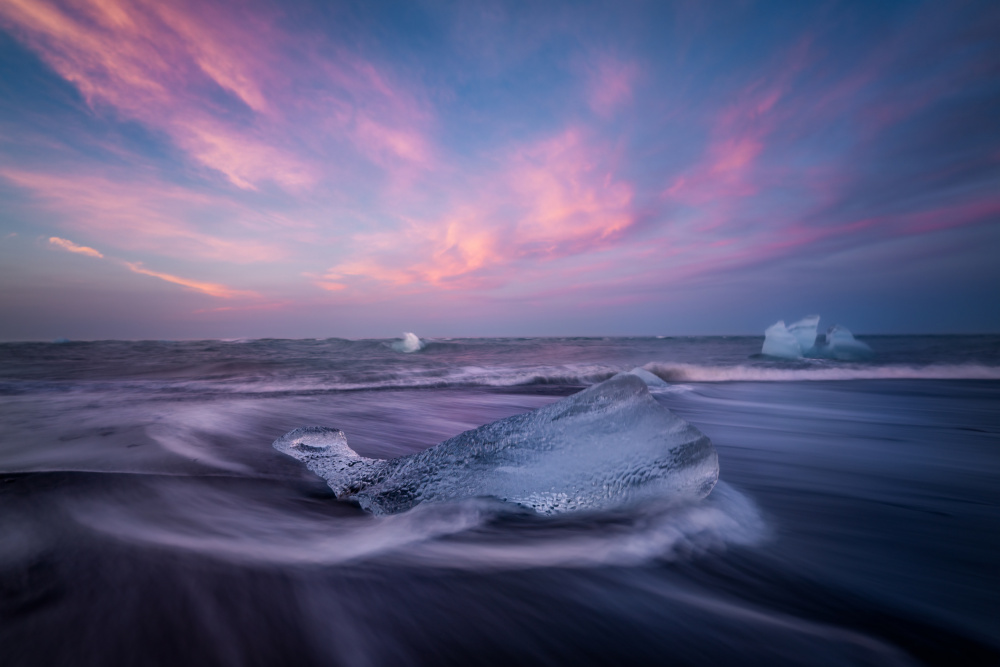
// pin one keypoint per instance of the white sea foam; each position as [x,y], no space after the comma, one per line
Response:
[232,528]
[656,532]
[673,373]
[697,373]
[455,535]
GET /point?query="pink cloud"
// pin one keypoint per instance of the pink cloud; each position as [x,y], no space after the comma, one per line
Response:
[551,199]
[156,63]
[211,289]
[147,216]
[72,247]
[385,144]
[610,82]
[573,199]
[738,135]
[163,64]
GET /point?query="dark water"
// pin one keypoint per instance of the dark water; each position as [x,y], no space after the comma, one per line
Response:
[146,520]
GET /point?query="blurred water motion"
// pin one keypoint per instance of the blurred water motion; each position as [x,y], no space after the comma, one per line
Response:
[146,519]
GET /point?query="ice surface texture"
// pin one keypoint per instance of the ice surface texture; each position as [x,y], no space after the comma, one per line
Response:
[608,445]
[799,340]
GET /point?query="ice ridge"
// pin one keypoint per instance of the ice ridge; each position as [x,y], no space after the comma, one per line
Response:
[608,445]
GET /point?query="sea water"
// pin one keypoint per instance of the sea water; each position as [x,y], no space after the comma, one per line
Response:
[145,518]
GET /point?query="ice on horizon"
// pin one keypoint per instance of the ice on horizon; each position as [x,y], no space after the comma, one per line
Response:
[800,340]
[608,445]
[408,343]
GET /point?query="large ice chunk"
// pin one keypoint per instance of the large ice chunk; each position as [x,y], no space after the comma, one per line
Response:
[610,444]
[780,342]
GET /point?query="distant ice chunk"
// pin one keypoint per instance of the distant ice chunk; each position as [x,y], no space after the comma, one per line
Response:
[799,340]
[841,344]
[408,343]
[608,445]
[780,342]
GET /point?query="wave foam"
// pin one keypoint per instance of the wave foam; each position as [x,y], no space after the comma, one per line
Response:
[656,532]
[697,373]
[500,377]
[475,533]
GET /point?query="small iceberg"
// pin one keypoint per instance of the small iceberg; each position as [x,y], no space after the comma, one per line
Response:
[408,343]
[780,342]
[609,445]
[841,344]
[800,340]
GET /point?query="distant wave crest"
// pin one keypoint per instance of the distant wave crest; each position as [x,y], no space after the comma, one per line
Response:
[697,373]
[560,378]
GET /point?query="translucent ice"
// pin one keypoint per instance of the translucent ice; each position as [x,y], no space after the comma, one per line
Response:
[608,445]
[408,343]
[653,382]
[805,332]
[780,342]
[841,344]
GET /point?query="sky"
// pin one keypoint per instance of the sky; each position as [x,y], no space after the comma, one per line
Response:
[203,169]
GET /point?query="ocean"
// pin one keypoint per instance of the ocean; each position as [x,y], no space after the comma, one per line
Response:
[146,519]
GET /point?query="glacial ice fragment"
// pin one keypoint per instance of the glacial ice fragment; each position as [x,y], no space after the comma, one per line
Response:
[841,344]
[408,343]
[799,340]
[608,445]
[805,332]
[780,342]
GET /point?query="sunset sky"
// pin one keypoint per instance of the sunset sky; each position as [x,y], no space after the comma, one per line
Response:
[311,169]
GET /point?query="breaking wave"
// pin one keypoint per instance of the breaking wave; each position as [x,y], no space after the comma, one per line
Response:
[569,376]
[697,373]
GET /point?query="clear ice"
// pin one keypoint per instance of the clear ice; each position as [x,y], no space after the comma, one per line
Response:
[805,332]
[608,445]
[780,342]
[841,344]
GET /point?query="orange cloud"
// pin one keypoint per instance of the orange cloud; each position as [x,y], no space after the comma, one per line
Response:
[72,247]
[212,289]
